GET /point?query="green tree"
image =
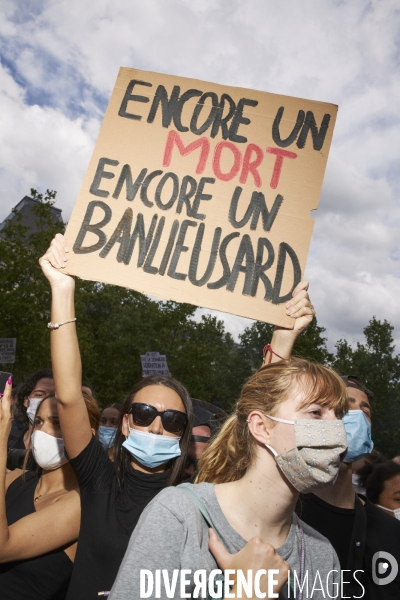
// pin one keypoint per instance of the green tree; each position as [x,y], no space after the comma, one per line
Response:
[375,362]
[115,325]
[310,344]
[25,298]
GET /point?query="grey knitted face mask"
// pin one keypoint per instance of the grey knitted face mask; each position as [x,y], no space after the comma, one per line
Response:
[314,461]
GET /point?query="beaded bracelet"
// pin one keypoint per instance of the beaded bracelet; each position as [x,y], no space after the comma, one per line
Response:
[58,325]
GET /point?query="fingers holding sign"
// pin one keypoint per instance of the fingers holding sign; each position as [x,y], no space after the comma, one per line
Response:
[5,412]
[270,571]
[300,307]
[54,260]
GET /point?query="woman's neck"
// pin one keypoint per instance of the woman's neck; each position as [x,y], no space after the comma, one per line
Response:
[342,493]
[59,479]
[260,504]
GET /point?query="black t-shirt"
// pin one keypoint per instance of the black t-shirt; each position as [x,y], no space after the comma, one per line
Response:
[44,577]
[334,523]
[108,518]
[357,535]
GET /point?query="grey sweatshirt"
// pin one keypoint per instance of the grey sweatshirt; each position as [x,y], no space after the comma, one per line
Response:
[172,535]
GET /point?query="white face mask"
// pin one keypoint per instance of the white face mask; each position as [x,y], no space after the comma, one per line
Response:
[31,410]
[396,511]
[48,451]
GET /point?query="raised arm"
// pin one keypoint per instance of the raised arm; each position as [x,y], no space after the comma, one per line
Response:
[32,536]
[302,310]
[65,355]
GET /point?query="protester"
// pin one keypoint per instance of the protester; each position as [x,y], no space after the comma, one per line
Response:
[108,427]
[30,393]
[357,467]
[204,426]
[249,484]
[382,486]
[354,526]
[39,520]
[149,449]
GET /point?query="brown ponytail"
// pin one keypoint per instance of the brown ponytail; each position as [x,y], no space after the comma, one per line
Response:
[232,451]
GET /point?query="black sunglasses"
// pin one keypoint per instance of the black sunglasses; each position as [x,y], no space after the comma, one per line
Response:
[173,421]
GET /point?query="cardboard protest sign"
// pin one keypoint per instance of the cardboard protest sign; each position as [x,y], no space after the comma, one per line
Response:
[154,363]
[8,348]
[201,193]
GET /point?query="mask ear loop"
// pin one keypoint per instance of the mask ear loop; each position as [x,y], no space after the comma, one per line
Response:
[274,452]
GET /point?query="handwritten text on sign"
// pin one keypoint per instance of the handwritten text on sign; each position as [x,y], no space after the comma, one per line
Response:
[8,348]
[202,193]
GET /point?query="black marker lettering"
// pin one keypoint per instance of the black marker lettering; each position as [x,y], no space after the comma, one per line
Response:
[225,265]
[95,228]
[245,252]
[179,248]
[102,174]
[193,123]
[188,189]
[122,235]
[256,207]
[145,185]
[144,240]
[147,267]
[220,121]
[260,268]
[178,111]
[168,105]
[285,249]
[199,197]
[276,136]
[160,187]
[194,260]
[131,188]
[318,136]
[168,249]
[239,119]
[132,97]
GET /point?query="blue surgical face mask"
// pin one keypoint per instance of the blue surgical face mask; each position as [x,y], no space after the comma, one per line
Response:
[107,435]
[150,449]
[358,432]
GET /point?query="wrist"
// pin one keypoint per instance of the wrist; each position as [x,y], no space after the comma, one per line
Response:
[62,286]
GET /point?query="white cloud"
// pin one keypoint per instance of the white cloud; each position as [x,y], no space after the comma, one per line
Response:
[63,58]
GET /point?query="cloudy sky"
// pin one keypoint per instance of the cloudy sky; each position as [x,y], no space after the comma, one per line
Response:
[59,62]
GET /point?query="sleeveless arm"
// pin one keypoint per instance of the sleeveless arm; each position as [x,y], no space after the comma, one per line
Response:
[51,528]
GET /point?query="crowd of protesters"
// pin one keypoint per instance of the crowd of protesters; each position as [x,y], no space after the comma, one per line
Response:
[290,481]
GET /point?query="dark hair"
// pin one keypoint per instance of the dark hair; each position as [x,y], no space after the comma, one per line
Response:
[122,456]
[353,381]
[24,391]
[375,477]
[117,406]
[93,411]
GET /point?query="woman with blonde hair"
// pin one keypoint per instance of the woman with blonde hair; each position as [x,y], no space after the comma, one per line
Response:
[284,437]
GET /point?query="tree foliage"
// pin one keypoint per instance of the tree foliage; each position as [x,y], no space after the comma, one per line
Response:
[375,362]
[116,325]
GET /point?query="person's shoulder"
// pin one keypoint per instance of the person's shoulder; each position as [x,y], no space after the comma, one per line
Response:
[180,499]
[381,527]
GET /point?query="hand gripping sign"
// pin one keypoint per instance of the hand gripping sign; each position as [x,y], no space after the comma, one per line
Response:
[201,193]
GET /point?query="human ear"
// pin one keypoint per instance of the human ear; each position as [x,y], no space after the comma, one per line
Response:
[125,425]
[259,427]
[26,402]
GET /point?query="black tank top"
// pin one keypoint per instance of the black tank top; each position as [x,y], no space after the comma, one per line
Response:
[43,578]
